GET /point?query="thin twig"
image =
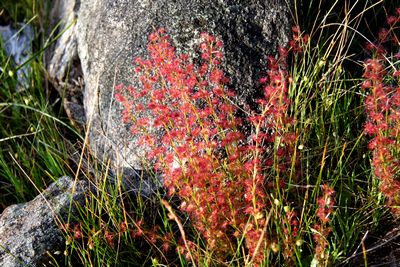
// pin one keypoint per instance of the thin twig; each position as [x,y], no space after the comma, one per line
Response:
[173,216]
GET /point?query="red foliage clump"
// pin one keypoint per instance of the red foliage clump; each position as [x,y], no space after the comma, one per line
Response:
[322,229]
[382,106]
[195,141]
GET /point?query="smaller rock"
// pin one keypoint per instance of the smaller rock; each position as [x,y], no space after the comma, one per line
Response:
[28,231]
[17,43]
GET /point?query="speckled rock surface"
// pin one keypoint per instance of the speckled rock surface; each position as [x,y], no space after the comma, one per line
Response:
[110,34]
[63,64]
[29,230]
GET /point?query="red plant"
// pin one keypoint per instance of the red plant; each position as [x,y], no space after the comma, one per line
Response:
[299,40]
[195,140]
[382,106]
[322,229]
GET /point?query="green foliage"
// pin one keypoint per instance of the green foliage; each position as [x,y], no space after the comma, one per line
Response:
[33,150]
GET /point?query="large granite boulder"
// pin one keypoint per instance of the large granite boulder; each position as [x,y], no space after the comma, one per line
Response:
[109,34]
[29,231]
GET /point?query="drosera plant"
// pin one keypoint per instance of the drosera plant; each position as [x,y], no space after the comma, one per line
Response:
[233,185]
[322,229]
[382,106]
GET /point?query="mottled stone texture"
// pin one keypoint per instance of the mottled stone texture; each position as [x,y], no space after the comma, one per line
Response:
[111,33]
[63,64]
[29,230]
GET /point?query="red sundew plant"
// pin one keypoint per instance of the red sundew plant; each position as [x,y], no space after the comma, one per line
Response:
[322,229]
[382,106]
[298,41]
[224,178]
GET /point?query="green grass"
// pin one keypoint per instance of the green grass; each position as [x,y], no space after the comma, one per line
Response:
[33,152]
[327,104]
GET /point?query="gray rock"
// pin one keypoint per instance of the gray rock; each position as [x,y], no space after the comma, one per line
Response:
[63,64]
[63,16]
[17,43]
[110,34]
[29,231]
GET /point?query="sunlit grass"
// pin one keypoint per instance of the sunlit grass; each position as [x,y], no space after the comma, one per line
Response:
[33,150]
